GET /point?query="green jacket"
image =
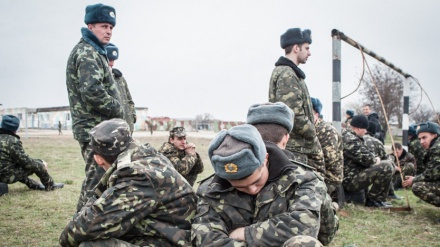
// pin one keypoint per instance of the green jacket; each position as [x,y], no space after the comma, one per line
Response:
[431,163]
[357,156]
[93,93]
[127,101]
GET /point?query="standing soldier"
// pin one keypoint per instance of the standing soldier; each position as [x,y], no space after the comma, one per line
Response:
[126,100]
[416,149]
[331,143]
[59,128]
[93,93]
[426,185]
[183,155]
[287,85]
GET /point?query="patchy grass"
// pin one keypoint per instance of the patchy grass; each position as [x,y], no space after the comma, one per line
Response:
[35,218]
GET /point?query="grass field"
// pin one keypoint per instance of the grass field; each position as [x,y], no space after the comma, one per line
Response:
[34,218]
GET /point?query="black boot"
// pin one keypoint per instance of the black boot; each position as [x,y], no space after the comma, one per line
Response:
[55,186]
[376,204]
[3,189]
[32,184]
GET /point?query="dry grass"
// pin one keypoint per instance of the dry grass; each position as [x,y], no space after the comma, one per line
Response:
[31,218]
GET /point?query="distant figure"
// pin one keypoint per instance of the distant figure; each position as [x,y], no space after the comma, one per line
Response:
[349,114]
[150,126]
[183,155]
[16,165]
[374,117]
[126,100]
[59,128]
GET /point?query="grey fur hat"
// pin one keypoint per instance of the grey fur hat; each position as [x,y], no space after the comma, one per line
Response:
[430,127]
[237,152]
[267,113]
[10,122]
[100,13]
[112,51]
[295,36]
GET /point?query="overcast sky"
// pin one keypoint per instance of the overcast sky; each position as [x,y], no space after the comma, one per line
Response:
[183,58]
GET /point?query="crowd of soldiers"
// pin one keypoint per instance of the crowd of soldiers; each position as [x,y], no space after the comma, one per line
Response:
[273,176]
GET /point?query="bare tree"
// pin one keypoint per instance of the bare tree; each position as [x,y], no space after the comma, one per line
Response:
[204,121]
[422,114]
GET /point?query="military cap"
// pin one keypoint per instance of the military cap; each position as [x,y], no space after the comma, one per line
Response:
[317,105]
[412,130]
[371,127]
[10,122]
[237,152]
[178,131]
[110,137]
[100,13]
[267,113]
[430,127]
[359,121]
[295,36]
[112,51]
[350,113]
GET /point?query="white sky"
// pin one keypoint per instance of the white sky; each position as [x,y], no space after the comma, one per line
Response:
[183,58]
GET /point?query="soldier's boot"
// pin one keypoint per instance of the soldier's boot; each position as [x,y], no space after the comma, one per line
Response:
[47,181]
[32,184]
[3,188]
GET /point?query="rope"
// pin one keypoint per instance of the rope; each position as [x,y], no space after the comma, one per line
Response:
[362,77]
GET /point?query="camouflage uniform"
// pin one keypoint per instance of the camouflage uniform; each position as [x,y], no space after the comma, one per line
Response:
[93,97]
[288,205]
[419,153]
[287,85]
[360,170]
[141,199]
[188,165]
[127,101]
[426,185]
[16,165]
[331,143]
[407,162]
[302,241]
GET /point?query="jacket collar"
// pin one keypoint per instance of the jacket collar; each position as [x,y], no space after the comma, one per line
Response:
[7,132]
[287,62]
[90,38]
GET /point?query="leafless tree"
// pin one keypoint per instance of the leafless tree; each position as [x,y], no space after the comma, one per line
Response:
[422,114]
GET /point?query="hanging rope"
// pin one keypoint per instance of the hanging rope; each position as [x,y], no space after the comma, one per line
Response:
[362,76]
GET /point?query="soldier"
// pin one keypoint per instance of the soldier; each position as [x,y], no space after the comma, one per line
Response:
[257,196]
[287,85]
[374,117]
[426,185]
[362,167]
[141,201]
[407,164]
[59,128]
[93,93]
[126,100]
[349,114]
[182,155]
[331,143]
[16,165]
[416,149]
[274,121]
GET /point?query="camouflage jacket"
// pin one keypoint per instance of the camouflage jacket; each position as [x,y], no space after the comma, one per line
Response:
[331,143]
[375,146]
[127,101]
[288,205]
[431,163]
[419,153]
[404,159]
[12,154]
[93,93]
[141,199]
[188,165]
[357,156]
[288,87]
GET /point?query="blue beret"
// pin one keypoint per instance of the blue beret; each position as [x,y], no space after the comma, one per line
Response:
[350,113]
[237,152]
[112,51]
[430,127]
[317,105]
[100,13]
[267,113]
[295,36]
[412,130]
[360,121]
[10,122]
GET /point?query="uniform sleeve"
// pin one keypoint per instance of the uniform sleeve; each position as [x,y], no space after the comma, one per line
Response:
[21,158]
[93,91]
[432,172]
[356,151]
[184,165]
[113,214]
[130,101]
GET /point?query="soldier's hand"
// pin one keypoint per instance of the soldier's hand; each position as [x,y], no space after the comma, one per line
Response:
[45,165]
[377,160]
[190,148]
[398,169]
[237,234]
[408,181]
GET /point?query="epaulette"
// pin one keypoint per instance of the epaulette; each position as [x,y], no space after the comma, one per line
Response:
[117,73]
[302,164]
[203,180]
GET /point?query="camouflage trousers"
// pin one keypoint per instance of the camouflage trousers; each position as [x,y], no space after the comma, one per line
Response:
[302,241]
[378,176]
[407,170]
[111,242]
[21,174]
[428,192]
[93,175]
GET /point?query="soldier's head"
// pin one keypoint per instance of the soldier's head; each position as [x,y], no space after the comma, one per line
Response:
[296,44]
[239,156]
[427,132]
[112,54]
[10,123]
[178,137]
[317,108]
[108,140]
[349,114]
[359,124]
[274,121]
[100,20]
[398,148]
[366,109]
[412,132]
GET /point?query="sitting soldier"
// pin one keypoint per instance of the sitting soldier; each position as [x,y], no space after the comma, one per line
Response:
[183,155]
[140,201]
[415,148]
[257,196]
[407,164]
[16,165]
[426,185]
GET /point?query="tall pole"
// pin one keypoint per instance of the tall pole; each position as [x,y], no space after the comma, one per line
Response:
[336,96]
[405,117]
